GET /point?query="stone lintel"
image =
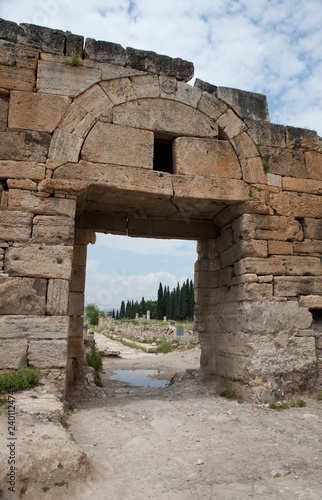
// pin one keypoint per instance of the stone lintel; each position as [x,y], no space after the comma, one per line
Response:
[176,229]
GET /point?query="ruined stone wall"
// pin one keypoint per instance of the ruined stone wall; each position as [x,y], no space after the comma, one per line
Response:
[77,155]
[262,275]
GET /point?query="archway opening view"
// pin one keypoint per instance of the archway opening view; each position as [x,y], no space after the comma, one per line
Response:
[139,302]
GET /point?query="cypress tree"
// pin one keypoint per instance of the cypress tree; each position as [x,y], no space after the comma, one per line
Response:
[160,302]
[122,310]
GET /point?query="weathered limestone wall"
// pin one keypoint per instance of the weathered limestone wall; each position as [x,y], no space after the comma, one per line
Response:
[262,276]
[78,148]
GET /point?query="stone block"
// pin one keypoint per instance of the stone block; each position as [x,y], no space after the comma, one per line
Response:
[111,71]
[22,170]
[22,296]
[104,52]
[203,189]
[34,327]
[291,286]
[29,202]
[65,146]
[40,112]
[47,353]
[245,147]
[302,185]
[105,144]
[267,227]
[302,138]
[18,56]
[76,327]
[76,304]
[4,106]
[164,116]
[187,94]
[276,247]
[95,101]
[211,106]
[253,170]
[84,237]
[297,204]
[311,301]
[205,157]
[248,278]
[59,188]
[207,249]
[230,124]
[313,162]
[39,261]
[245,104]
[274,180]
[15,225]
[57,78]
[266,134]
[8,30]
[77,121]
[248,248]
[119,90]
[263,316]
[225,240]
[126,178]
[13,354]
[146,86]
[15,78]
[290,265]
[24,146]
[57,297]
[79,255]
[162,65]
[26,184]
[284,161]
[77,281]
[206,87]
[46,39]
[168,87]
[305,246]
[249,291]
[75,348]
[53,230]
[74,44]
[312,228]
[213,279]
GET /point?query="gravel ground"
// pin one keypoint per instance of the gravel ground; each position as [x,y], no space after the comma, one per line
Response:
[184,441]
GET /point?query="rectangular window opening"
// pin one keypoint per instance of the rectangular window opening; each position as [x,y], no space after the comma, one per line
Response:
[162,155]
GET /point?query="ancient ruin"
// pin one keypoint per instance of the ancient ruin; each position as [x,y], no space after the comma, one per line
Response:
[106,139]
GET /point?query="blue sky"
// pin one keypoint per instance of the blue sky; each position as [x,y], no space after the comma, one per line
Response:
[273,47]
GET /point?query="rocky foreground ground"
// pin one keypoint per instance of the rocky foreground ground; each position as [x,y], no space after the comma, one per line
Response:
[172,443]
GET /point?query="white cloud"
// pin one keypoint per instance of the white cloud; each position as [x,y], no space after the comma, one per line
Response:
[148,246]
[108,290]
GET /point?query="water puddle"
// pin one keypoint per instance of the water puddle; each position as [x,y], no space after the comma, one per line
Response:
[140,378]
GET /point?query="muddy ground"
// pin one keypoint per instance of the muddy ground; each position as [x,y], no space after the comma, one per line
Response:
[184,441]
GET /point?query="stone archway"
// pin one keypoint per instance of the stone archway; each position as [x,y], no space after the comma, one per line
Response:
[85,153]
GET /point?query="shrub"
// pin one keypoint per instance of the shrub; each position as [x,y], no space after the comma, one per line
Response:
[19,379]
[298,403]
[228,393]
[95,361]
[73,61]
[164,346]
[279,406]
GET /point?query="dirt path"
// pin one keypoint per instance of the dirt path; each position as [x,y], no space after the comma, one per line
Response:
[183,442]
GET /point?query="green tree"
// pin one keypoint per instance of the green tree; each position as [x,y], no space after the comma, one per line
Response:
[160,302]
[91,312]
[122,310]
